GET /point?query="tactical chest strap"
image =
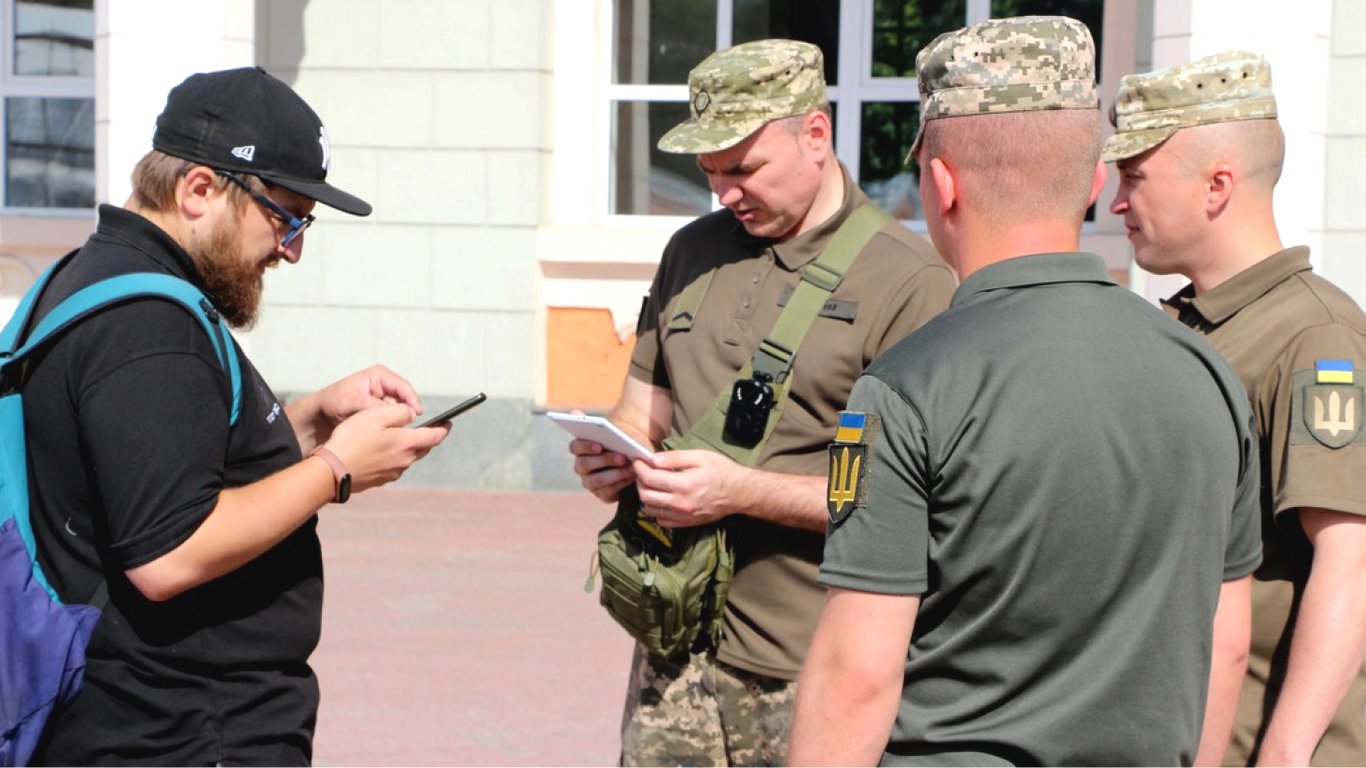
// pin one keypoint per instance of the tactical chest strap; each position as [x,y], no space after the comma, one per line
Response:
[777,352]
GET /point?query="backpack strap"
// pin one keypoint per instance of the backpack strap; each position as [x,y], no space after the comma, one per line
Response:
[16,345]
[778,351]
[14,329]
[93,298]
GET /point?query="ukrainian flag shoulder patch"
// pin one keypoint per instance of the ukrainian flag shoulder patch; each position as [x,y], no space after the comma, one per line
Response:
[1333,371]
[849,464]
[1328,405]
[851,427]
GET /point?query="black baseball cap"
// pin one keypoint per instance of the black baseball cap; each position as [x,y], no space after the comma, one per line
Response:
[244,120]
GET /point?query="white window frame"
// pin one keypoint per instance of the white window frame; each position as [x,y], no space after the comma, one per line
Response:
[856,86]
[32,86]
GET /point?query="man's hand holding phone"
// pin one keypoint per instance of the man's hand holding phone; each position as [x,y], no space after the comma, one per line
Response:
[374,448]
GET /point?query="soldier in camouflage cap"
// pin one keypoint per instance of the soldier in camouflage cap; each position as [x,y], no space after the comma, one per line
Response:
[761,130]
[1199,153]
[734,92]
[954,632]
[1149,108]
[1006,65]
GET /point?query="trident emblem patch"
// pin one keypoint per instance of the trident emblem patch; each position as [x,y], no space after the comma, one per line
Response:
[1331,403]
[847,465]
[1333,414]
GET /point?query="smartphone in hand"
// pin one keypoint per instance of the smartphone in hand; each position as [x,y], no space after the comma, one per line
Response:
[451,413]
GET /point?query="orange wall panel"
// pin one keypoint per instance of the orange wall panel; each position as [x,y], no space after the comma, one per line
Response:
[585,361]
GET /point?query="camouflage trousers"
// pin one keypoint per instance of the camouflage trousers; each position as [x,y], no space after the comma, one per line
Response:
[699,711]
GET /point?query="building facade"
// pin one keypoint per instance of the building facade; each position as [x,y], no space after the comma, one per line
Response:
[508,149]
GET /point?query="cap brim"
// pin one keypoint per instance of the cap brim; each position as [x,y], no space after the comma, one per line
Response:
[915,146]
[1131,143]
[324,193]
[695,138]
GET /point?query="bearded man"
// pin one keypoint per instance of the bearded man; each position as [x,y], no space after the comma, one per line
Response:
[200,532]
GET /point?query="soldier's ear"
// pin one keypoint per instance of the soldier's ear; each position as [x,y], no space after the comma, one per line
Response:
[1220,181]
[945,180]
[1097,182]
[817,131]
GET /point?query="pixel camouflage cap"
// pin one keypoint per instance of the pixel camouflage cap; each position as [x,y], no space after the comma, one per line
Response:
[1018,64]
[735,92]
[1151,107]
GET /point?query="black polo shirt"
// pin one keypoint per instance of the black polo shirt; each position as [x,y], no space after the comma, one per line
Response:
[1066,477]
[129,446]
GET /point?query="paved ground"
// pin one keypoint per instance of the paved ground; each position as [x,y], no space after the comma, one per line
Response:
[456,632]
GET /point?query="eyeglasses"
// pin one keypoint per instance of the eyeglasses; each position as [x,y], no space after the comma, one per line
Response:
[295,224]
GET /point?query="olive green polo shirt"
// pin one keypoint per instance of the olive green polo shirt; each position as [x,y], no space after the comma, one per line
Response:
[1066,477]
[896,283]
[1299,345]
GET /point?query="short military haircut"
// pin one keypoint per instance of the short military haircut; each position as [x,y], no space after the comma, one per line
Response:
[1021,166]
[1256,147]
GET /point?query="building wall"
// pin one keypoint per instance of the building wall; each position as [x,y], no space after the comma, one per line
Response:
[1344,212]
[1318,58]
[141,51]
[436,113]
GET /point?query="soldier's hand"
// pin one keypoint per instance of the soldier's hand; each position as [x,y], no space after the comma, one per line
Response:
[603,473]
[687,488]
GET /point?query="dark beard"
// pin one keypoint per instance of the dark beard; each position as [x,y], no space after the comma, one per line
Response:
[232,284]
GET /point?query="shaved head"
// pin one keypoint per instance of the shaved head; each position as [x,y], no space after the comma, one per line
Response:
[1021,166]
[1254,147]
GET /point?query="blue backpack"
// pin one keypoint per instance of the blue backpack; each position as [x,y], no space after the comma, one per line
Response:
[42,640]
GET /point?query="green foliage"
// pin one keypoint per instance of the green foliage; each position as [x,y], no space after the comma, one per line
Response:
[902,27]
[682,33]
[888,130]
[813,21]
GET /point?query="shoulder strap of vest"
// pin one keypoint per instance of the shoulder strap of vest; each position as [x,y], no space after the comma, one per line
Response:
[820,278]
[93,298]
[778,351]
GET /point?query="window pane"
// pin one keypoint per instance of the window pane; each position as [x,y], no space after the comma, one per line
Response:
[49,153]
[902,27]
[814,21]
[54,38]
[658,41]
[646,180]
[888,130]
[1089,12]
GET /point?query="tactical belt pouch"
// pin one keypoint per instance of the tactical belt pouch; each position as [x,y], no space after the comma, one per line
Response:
[667,587]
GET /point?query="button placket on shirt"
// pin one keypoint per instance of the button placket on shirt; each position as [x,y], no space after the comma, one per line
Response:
[749,300]
[749,297]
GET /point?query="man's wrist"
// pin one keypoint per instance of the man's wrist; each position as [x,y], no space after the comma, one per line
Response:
[341,476]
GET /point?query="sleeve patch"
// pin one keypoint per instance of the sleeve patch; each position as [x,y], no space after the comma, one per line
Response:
[849,455]
[1328,405]
[1333,372]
